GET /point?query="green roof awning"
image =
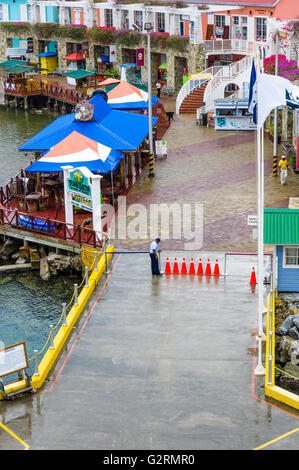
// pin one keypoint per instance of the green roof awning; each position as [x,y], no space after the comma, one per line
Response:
[10,63]
[163,66]
[281,226]
[18,69]
[78,73]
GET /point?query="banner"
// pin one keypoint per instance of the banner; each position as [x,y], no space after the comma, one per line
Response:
[29,45]
[112,53]
[140,57]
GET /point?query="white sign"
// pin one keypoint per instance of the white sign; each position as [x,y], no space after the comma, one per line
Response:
[112,53]
[13,358]
[252,220]
[161,147]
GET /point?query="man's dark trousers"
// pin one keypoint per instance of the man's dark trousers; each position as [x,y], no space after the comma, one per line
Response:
[155,265]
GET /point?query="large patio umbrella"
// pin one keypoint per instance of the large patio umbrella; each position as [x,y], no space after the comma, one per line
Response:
[126,96]
[78,150]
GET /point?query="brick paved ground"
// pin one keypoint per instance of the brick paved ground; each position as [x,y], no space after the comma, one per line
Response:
[217,169]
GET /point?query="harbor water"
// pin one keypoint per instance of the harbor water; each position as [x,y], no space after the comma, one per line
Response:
[28,305]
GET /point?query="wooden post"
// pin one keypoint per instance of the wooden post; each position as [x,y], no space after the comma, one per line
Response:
[130,165]
[122,173]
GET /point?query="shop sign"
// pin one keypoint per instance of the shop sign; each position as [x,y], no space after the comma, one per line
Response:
[82,202]
[78,184]
[161,147]
[29,45]
[192,31]
[140,57]
[13,359]
[252,220]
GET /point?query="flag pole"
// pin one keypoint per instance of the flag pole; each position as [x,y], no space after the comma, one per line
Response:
[275,136]
[260,370]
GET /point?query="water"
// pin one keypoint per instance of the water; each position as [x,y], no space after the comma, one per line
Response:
[27,305]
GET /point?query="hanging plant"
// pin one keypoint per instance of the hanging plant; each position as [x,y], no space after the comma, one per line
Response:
[76,32]
[15,27]
[177,43]
[102,35]
[128,37]
[46,30]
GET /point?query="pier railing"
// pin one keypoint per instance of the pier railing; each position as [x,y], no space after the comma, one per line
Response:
[70,233]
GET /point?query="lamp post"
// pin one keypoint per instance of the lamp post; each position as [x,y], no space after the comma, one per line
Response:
[275,137]
[148,27]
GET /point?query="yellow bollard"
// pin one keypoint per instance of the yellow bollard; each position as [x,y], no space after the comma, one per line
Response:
[151,165]
[274,172]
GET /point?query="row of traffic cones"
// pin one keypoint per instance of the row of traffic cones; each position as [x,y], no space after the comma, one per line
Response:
[199,271]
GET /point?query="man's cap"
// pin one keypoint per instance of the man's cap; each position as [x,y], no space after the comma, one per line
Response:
[158,240]
[283,156]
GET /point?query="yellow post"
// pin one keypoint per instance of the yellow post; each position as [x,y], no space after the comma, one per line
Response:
[274,173]
[151,165]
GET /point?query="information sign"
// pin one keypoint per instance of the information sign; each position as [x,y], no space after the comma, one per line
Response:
[13,359]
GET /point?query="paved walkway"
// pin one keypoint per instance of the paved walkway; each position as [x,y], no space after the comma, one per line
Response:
[157,363]
[217,169]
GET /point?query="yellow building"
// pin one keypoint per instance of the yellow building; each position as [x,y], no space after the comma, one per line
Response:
[48,62]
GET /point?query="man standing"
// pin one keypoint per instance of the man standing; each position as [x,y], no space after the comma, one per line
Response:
[283,165]
[154,255]
[158,86]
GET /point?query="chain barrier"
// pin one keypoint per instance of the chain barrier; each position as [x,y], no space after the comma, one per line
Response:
[289,375]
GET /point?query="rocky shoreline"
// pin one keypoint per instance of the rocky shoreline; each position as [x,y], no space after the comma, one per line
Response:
[287,342]
[14,255]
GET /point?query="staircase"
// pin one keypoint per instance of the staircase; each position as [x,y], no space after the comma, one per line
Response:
[194,100]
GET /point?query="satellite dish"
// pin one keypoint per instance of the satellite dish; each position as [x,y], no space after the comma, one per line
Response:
[100,92]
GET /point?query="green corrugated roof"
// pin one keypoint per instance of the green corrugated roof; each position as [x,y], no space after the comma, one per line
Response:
[78,73]
[10,63]
[281,226]
[18,69]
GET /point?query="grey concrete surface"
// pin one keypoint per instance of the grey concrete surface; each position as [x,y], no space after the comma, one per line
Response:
[162,363]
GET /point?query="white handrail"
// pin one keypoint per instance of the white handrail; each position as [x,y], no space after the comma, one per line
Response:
[193,83]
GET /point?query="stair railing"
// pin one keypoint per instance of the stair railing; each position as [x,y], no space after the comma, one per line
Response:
[195,82]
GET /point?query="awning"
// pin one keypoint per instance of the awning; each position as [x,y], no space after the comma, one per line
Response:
[18,69]
[126,96]
[78,150]
[118,130]
[10,63]
[46,54]
[163,66]
[74,56]
[78,74]
[108,81]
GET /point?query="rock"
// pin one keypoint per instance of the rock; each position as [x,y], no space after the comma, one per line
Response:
[287,350]
[285,326]
[43,253]
[293,310]
[77,263]
[5,280]
[10,246]
[293,332]
[44,269]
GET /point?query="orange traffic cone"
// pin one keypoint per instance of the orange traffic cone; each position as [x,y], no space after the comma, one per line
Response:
[191,267]
[167,267]
[216,269]
[200,269]
[184,267]
[208,271]
[253,277]
[175,267]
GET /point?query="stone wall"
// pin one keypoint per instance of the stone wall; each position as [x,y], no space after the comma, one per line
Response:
[194,55]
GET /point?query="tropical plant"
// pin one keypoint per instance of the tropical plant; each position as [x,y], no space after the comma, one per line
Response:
[15,27]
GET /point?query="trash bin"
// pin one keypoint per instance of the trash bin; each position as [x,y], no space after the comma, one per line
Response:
[204,119]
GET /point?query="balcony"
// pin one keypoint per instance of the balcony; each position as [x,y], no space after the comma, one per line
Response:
[231,46]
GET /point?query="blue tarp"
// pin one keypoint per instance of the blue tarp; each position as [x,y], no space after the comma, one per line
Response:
[116,129]
[37,224]
[134,105]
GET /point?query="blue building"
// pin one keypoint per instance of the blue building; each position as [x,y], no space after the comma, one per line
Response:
[281,231]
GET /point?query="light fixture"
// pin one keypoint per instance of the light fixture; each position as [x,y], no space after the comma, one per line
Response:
[148,26]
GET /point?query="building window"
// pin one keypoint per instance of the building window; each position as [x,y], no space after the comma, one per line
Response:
[219,25]
[1,12]
[139,19]
[291,256]
[161,22]
[108,18]
[261,29]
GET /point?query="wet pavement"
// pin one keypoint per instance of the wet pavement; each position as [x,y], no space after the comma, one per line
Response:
[168,363]
[157,363]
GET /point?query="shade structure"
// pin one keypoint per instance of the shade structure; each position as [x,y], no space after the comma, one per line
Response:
[115,129]
[163,66]
[78,150]
[126,96]
[109,81]
[74,56]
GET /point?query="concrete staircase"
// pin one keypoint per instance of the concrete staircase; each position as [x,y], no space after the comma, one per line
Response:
[194,100]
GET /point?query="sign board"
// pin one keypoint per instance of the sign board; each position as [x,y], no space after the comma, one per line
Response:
[13,359]
[80,189]
[161,147]
[29,45]
[252,220]
[140,57]
[85,49]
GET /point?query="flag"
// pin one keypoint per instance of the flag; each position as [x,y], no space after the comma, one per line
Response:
[274,91]
[252,103]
